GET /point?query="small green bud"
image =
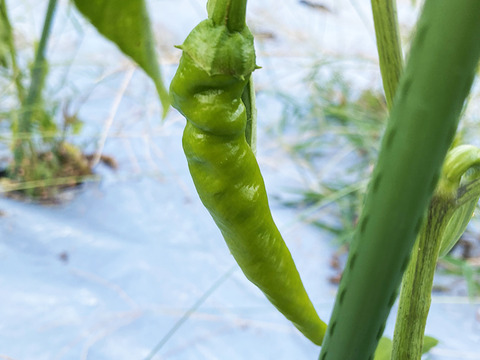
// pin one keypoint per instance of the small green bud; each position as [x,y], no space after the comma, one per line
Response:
[457,162]
[459,200]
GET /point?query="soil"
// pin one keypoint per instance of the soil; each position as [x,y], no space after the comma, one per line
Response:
[47,177]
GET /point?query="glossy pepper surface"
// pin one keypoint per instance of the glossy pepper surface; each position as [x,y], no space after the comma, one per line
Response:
[214,69]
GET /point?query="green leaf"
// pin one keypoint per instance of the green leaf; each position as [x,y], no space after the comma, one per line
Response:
[127,24]
[456,225]
[384,349]
[428,343]
[77,127]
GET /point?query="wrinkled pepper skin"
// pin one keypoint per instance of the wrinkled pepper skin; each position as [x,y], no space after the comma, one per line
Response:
[207,88]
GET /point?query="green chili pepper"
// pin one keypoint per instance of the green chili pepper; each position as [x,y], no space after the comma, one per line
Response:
[432,90]
[218,58]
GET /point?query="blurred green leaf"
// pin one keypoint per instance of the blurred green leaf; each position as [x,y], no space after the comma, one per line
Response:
[127,24]
[77,127]
[469,271]
[384,349]
[428,343]
[5,33]
[456,225]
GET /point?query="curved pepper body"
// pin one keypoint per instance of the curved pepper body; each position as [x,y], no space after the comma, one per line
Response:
[230,185]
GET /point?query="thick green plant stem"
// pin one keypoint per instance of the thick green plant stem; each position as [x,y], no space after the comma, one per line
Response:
[423,121]
[17,74]
[388,45]
[32,100]
[415,294]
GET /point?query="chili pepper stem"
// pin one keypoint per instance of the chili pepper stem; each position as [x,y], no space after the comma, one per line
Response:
[248,98]
[231,13]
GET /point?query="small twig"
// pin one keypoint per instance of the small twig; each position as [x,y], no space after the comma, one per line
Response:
[127,318]
[111,116]
[190,311]
[97,279]
[305,215]
[133,161]
[315,5]
[10,186]
[88,345]
[148,155]
[179,180]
